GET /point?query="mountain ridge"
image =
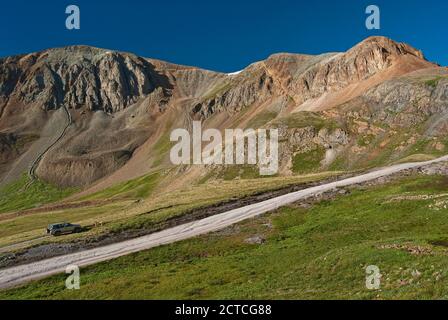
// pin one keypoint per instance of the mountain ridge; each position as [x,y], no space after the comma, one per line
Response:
[123,105]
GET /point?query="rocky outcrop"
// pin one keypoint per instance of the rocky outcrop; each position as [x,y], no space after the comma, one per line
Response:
[79,77]
[331,72]
[233,94]
[304,77]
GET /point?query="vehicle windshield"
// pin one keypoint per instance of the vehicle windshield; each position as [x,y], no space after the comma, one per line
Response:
[56,226]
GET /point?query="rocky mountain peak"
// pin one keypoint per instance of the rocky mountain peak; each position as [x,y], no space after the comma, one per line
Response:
[386,46]
[78,77]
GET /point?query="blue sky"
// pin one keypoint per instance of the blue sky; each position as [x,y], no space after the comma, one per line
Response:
[221,35]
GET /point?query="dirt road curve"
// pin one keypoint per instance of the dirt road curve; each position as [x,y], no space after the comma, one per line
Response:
[21,274]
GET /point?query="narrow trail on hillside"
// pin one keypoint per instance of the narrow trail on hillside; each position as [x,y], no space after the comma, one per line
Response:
[23,273]
[32,171]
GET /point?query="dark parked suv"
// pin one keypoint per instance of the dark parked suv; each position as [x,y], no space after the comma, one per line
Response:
[57,229]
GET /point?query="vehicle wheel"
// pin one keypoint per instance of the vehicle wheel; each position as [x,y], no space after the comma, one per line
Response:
[78,230]
[57,233]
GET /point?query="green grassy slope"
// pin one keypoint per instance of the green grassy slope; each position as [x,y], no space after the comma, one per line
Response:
[19,195]
[134,204]
[318,252]
[134,189]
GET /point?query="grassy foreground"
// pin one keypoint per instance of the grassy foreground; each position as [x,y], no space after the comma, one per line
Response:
[308,253]
[22,194]
[135,204]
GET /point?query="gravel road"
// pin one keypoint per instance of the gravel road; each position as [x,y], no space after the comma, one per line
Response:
[20,274]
